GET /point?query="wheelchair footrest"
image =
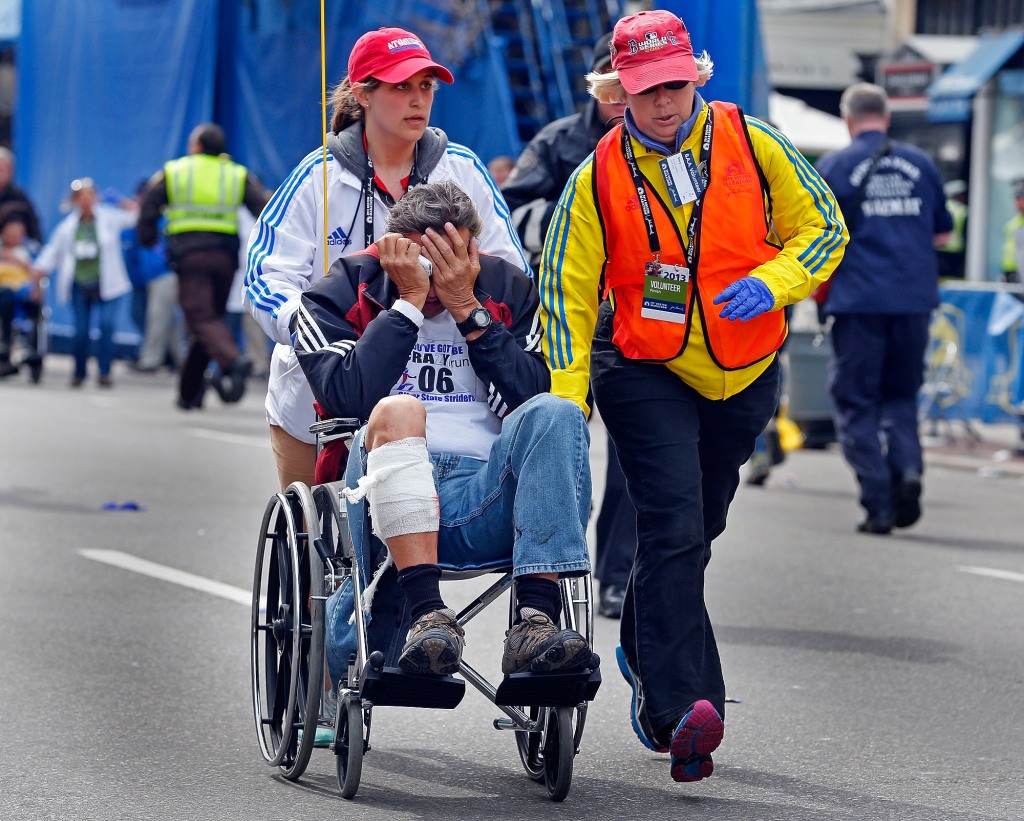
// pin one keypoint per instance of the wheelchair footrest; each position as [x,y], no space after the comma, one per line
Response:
[392,687]
[549,689]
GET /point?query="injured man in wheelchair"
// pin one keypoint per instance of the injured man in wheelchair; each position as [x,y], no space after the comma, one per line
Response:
[470,464]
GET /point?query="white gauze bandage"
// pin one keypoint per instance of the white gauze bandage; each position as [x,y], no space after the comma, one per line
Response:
[400,488]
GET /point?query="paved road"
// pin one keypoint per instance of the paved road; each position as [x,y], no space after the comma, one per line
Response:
[876,678]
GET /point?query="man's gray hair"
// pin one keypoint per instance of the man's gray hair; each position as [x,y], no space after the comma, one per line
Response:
[864,100]
[432,205]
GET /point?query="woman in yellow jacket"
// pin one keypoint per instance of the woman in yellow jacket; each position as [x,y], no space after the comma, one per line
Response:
[669,258]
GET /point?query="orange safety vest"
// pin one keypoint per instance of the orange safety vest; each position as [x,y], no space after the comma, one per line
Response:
[732,239]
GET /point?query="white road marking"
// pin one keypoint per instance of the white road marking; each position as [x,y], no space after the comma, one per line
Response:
[231,438]
[169,574]
[1007,575]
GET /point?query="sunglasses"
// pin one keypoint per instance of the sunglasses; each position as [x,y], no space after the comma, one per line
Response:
[676,85]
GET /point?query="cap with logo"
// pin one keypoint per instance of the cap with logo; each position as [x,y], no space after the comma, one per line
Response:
[392,55]
[650,48]
[1018,188]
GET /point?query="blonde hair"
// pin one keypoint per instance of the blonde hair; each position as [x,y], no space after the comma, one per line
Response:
[604,86]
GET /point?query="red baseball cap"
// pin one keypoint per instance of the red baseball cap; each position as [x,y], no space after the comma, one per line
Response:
[392,55]
[650,48]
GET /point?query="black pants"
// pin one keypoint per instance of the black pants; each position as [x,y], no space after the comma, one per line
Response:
[615,528]
[204,283]
[681,455]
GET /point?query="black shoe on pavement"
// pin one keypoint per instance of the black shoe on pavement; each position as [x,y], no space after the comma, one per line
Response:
[231,385]
[878,524]
[907,499]
[195,403]
[610,605]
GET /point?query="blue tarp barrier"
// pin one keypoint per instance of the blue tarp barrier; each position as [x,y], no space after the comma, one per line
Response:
[975,356]
[111,90]
[108,90]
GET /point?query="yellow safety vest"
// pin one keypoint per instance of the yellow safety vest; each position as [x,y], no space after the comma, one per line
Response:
[203,194]
[956,238]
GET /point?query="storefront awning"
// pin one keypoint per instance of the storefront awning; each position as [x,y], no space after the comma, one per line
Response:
[949,97]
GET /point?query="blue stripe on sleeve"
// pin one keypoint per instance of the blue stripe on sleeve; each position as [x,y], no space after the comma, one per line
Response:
[817,253]
[557,326]
[258,291]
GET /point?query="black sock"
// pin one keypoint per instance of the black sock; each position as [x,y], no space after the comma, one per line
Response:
[421,584]
[540,594]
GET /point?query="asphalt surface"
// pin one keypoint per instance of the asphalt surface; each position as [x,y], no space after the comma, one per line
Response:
[873,677]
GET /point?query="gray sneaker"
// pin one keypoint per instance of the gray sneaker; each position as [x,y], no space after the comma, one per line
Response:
[537,646]
[434,644]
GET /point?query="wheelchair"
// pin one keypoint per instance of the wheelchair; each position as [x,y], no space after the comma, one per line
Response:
[304,553]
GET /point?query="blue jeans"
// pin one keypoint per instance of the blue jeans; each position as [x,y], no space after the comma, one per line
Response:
[526,507]
[83,303]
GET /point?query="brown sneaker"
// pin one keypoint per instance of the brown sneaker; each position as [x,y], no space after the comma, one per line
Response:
[434,644]
[537,646]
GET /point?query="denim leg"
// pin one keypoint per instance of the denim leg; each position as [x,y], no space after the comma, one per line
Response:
[530,500]
[105,345]
[80,345]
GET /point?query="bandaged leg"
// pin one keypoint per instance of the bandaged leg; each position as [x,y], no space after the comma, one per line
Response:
[400,489]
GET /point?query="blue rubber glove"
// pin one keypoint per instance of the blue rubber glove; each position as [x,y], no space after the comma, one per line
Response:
[747,298]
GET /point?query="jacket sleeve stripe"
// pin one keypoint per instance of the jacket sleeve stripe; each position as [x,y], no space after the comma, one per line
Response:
[551,279]
[259,292]
[816,255]
[309,329]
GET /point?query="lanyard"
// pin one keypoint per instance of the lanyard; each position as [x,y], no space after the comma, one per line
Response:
[414,179]
[639,182]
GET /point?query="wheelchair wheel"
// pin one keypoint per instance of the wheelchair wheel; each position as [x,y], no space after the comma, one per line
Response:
[528,745]
[287,635]
[559,751]
[348,748]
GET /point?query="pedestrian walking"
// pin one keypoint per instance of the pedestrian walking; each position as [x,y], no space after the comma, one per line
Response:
[200,194]
[880,300]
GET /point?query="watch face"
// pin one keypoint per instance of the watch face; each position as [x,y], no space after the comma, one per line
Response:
[478,320]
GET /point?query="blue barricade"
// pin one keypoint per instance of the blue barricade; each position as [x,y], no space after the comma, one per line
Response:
[975,355]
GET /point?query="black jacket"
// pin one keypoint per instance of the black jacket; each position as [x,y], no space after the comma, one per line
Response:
[351,305]
[542,170]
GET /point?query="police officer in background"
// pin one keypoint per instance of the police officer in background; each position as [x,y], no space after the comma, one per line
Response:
[532,191]
[200,195]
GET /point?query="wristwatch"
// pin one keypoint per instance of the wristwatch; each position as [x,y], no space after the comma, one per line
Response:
[479,319]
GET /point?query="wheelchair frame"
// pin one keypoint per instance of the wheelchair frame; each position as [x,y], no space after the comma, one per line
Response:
[305,551]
